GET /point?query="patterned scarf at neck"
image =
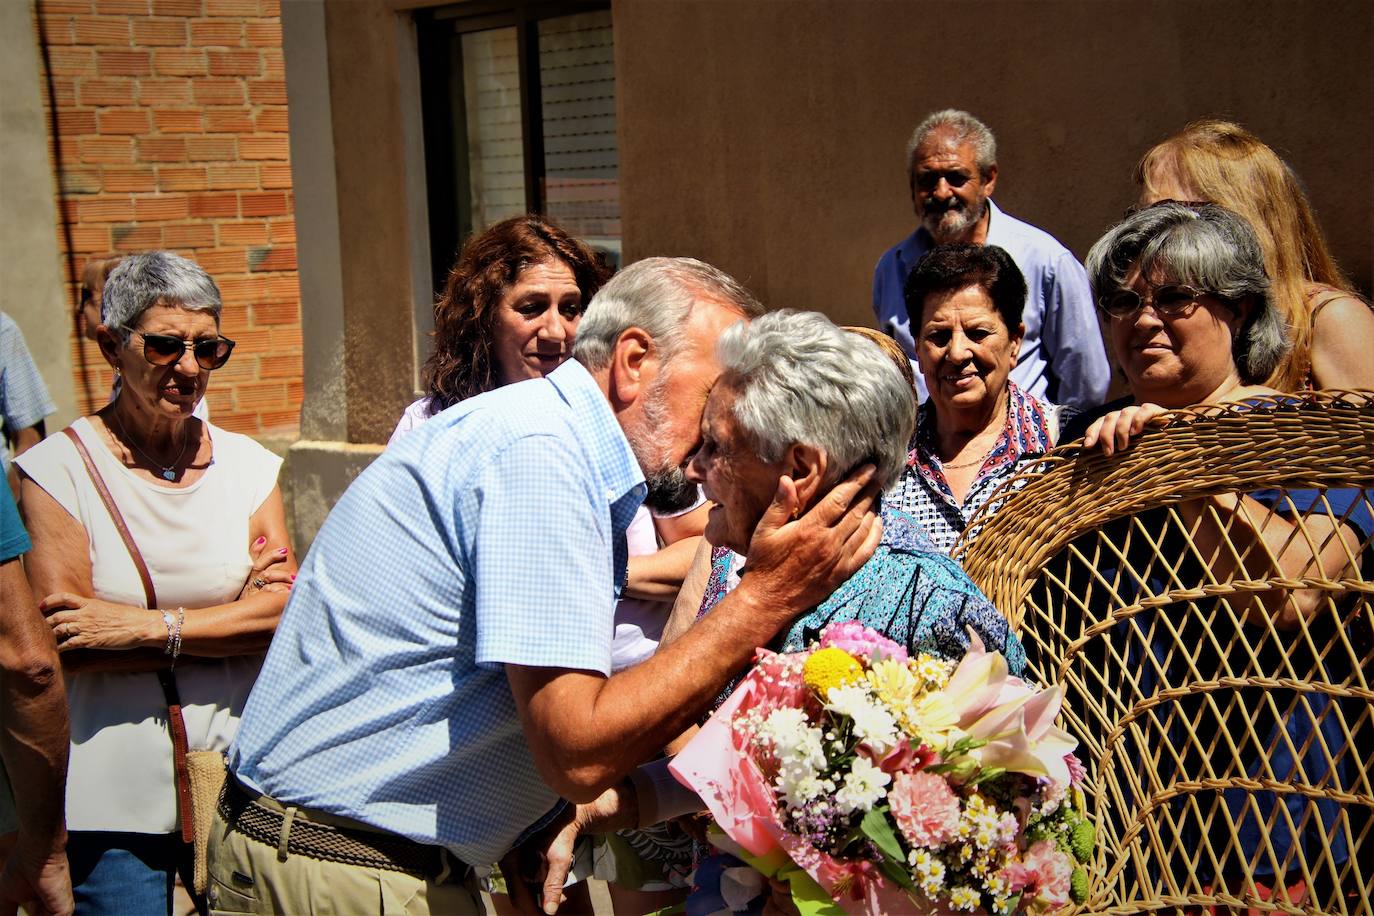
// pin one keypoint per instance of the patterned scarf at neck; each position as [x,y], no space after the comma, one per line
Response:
[1026,431]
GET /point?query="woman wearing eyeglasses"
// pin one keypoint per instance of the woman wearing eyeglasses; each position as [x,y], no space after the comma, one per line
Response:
[204,515]
[977,427]
[1332,328]
[1193,321]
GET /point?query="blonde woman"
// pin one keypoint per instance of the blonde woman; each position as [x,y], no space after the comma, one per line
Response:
[1332,328]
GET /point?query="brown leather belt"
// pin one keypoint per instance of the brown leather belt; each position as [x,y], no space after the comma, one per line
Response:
[364,848]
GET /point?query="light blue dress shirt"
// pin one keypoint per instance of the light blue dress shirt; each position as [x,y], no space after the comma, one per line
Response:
[24,399]
[493,534]
[1062,358]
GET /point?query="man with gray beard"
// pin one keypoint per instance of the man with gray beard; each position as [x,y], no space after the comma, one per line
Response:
[952,166]
[442,672]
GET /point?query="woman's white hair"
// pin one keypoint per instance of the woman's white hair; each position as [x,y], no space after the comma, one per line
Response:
[803,380]
[151,278]
[656,295]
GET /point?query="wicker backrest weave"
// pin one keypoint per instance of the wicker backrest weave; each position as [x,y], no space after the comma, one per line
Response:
[1227,740]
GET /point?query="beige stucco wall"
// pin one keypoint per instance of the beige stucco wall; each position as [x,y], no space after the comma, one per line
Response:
[30,264]
[768,137]
[370,167]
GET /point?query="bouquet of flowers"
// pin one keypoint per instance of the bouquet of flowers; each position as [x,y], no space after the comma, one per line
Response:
[877,783]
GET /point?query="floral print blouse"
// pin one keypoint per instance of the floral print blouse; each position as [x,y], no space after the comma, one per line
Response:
[1032,428]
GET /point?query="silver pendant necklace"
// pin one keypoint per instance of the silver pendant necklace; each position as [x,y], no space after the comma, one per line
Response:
[167,472]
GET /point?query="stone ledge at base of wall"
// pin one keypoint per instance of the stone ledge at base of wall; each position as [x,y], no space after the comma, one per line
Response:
[315,475]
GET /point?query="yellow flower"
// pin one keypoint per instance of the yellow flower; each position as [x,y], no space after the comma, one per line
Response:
[934,719]
[931,671]
[830,667]
[892,683]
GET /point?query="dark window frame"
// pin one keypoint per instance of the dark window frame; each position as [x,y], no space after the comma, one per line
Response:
[447,190]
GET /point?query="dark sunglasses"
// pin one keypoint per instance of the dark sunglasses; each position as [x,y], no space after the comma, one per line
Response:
[164,350]
[1166,300]
[929,181]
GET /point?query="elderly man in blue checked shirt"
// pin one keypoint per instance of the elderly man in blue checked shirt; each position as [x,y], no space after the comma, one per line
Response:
[439,679]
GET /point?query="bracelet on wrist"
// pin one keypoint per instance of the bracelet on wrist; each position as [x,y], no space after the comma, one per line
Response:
[176,635]
[170,620]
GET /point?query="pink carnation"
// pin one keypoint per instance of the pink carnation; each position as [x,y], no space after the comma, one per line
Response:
[859,640]
[1043,874]
[925,808]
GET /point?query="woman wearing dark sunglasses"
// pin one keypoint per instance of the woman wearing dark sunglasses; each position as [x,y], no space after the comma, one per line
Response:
[1190,317]
[204,514]
[92,296]
[1192,321]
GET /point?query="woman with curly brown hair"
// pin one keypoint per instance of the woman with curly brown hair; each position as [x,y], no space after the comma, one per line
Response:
[509,312]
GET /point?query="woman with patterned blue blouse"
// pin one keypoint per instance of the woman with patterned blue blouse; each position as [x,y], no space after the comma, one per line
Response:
[977,428]
[800,403]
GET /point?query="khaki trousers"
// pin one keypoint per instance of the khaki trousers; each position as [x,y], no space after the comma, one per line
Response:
[250,877]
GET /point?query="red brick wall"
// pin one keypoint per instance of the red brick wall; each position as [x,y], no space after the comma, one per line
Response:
[170,132]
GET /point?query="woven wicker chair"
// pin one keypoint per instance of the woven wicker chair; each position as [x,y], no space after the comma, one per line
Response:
[1224,743]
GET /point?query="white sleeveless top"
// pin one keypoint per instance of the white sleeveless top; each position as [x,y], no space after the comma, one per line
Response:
[195,542]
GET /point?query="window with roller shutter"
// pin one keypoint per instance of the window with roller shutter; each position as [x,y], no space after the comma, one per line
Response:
[519,113]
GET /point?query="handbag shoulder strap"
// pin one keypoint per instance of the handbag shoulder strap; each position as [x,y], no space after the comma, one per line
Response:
[116,517]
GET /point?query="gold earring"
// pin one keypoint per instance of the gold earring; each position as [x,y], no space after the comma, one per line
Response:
[796,512]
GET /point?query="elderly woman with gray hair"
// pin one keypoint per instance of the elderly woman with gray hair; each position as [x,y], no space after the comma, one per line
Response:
[158,541]
[801,403]
[1192,322]
[804,401]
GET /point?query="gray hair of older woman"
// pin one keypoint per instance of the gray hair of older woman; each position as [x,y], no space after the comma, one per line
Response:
[1206,247]
[151,278]
[801,379]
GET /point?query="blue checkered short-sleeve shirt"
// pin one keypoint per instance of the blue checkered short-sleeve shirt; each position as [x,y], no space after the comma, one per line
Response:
[493,534]
[24,398]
